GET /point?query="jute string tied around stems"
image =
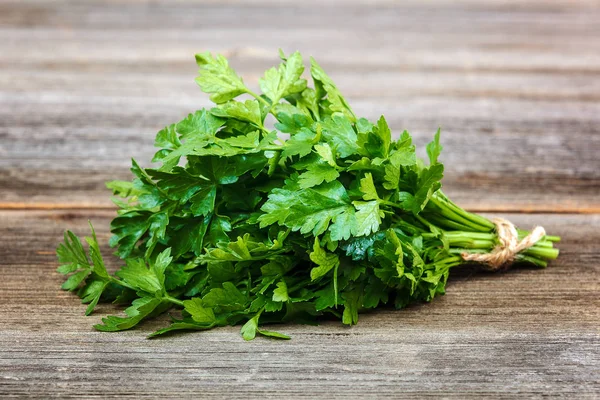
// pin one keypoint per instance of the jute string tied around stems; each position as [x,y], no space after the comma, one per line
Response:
[504,254]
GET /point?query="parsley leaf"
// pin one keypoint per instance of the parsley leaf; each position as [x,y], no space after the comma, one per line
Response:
[218,79]
[285,80]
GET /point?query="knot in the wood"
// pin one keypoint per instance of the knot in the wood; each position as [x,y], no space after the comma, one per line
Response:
[504,254]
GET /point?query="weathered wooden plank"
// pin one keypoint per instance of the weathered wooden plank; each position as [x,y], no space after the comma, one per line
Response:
[526,332]
[505,155]
[85,85]
[396,35]
[558,136]
[515,88]
[173,82]
[373,15]
[437,52]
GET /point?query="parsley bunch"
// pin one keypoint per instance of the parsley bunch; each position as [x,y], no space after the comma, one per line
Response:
[237,225]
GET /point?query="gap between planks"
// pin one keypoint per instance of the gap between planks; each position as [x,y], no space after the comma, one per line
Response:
[484,209]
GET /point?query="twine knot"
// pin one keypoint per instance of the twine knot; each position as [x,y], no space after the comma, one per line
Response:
[504,254]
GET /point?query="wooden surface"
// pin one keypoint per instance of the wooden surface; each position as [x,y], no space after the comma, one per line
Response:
[515,87]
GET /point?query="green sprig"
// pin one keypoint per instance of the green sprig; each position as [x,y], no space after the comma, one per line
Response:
[237,225]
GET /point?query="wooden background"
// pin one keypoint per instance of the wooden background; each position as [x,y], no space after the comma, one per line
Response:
[515,86]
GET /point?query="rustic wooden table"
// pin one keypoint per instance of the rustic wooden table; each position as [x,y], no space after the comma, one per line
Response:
[515,86]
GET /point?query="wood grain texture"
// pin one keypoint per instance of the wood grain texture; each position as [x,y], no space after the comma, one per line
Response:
[515,86]
[84,86]
[530,332]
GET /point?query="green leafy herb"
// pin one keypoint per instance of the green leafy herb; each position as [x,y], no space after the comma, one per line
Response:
[235,225]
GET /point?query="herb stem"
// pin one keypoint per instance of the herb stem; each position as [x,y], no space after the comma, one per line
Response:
[542,252]
[458,215]
[390,203]
[259,98]
[173,300]
[440,222]
[473,217]
[119,282]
